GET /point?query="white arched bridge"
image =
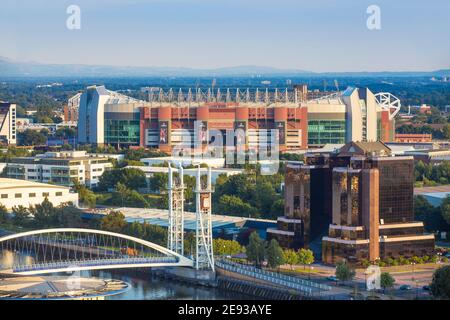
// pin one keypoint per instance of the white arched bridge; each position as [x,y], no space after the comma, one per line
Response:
[74,249]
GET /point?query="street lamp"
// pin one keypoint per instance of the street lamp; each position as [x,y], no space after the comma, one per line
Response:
[414,279]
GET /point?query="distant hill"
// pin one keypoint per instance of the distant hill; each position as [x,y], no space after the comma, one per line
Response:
[11,68]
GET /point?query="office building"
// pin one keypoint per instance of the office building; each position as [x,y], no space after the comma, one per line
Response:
[60,168]
[14,192]
[307,192]
[366,196]
[108,117]
[71,109]
[7,123]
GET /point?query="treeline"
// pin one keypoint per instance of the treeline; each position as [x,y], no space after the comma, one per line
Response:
[408,128]
[43,215]
[259,251]
[13,152]
[434,218]
[429,175]
[249,195]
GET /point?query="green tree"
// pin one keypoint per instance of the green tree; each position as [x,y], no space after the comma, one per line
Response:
[68,216]
[305,257]
[446,131]
[138,154]
[113,221]
[226,247]
[136,230]
[86,196]
[44,214]
[344,272]
[3,214]
[158,182]
[290,257]
[189,243]
[265,196]
[256,249]
[21,215]
[386,281]
[32,138]
[132,178]
[126,197]
[277,208]
[275,256]
[155,234]
[440,285]
[445,209]
[233,205]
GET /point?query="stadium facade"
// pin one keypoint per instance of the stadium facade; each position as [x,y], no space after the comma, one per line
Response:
[303,118]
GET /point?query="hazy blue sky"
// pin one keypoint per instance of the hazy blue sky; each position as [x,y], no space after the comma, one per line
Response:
[316,35]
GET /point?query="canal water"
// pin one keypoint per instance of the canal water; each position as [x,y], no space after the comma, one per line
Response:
[143,286]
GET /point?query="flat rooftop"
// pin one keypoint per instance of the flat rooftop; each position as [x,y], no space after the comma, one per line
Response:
[436,189]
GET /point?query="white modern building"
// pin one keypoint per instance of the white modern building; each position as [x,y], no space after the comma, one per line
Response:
[60,168]
[355,114]
[8,123]
[15,192]
[108,117]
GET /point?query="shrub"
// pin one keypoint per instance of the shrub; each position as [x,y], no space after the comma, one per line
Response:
[365,263]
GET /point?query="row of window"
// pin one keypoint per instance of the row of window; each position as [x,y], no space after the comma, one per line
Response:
[31,195]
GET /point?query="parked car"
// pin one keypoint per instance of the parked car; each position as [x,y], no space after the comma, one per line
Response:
[405,287]
[426,288]
[332,278]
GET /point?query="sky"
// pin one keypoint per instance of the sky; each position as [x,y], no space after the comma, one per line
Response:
[313,35]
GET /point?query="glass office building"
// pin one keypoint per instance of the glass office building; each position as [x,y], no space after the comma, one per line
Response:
[361,197]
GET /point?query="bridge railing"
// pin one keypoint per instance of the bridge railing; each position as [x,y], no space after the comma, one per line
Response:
[274,277]
[92,263]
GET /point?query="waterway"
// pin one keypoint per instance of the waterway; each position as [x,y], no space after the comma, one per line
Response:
[143,286]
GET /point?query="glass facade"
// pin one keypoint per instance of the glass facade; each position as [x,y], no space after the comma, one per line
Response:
[122,132]
[396,190]
[334,252]
[326,131]
[407,248]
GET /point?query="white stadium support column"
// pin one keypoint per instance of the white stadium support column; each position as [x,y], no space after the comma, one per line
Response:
[175,234]
[204,255]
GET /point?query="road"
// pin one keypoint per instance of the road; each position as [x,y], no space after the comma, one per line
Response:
[417,278]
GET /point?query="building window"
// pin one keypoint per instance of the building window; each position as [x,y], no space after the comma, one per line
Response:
[18,195]
[59,194]
[45,194]
[4,196]
[32,195]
